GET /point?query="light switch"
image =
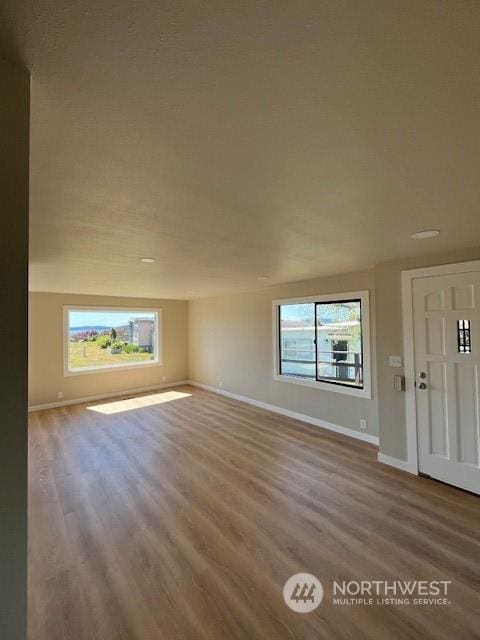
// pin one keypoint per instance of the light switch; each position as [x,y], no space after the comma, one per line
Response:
[395,361]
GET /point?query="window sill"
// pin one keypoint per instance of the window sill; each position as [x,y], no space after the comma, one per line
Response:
[110,367]
[326,386]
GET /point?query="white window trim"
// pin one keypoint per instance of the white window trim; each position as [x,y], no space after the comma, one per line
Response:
[158,360]
[364,296]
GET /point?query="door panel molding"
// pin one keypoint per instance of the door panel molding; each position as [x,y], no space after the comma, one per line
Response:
[407,278]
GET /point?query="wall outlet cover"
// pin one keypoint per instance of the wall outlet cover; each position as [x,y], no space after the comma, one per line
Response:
[395,361]
[363,424]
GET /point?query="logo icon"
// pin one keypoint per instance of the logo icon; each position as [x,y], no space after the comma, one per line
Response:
[303,592]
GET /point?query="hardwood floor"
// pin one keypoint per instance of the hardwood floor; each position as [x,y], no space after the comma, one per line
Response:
[180,514]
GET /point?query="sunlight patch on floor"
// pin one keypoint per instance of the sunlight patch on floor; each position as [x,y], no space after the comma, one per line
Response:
[129,404]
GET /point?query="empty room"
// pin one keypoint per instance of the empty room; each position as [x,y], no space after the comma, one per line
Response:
[240,292]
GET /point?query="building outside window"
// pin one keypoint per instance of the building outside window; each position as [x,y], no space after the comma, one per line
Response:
[101,339]
[322,341]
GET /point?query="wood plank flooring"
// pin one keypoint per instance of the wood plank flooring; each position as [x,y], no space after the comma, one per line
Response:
[180,514]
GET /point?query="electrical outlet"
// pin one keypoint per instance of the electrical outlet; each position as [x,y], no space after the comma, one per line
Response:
[363,424]
[164,378]
[59,395]
[220,384]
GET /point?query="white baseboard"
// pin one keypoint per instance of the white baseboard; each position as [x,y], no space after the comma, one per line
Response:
[366,437]
[403,465]
[105,396]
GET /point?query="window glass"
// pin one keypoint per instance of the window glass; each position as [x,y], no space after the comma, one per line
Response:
[297,340]
[322,341]
[108,338]
[339,343]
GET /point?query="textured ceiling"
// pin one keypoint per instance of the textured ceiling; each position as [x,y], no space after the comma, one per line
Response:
[231,140]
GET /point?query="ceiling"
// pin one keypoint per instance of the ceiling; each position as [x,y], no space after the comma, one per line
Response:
[232,140]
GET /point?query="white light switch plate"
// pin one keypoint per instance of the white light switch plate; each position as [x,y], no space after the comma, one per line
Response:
[395,361]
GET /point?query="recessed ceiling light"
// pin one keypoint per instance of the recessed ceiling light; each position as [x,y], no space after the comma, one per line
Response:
[423,235]
[147,259]
[262,278]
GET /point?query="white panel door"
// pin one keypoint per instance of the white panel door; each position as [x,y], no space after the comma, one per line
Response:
[446,312]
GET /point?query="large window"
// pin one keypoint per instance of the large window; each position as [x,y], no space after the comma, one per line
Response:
[324,342]
[98,338]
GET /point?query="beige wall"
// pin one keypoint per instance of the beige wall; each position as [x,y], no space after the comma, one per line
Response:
[230,341]
[46,349]
[14,154]
[389,340]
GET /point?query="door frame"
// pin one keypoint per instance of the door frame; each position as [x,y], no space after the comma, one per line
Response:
[408,277]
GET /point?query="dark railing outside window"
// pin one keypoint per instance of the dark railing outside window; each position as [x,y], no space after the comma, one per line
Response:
[322,341]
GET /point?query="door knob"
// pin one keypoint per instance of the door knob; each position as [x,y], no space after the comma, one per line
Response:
[422,385]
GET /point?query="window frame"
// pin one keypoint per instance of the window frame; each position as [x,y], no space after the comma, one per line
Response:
[335,387]
[157,361]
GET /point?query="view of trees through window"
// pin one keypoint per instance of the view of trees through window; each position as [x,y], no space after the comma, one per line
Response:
[110,338]
[322,341]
